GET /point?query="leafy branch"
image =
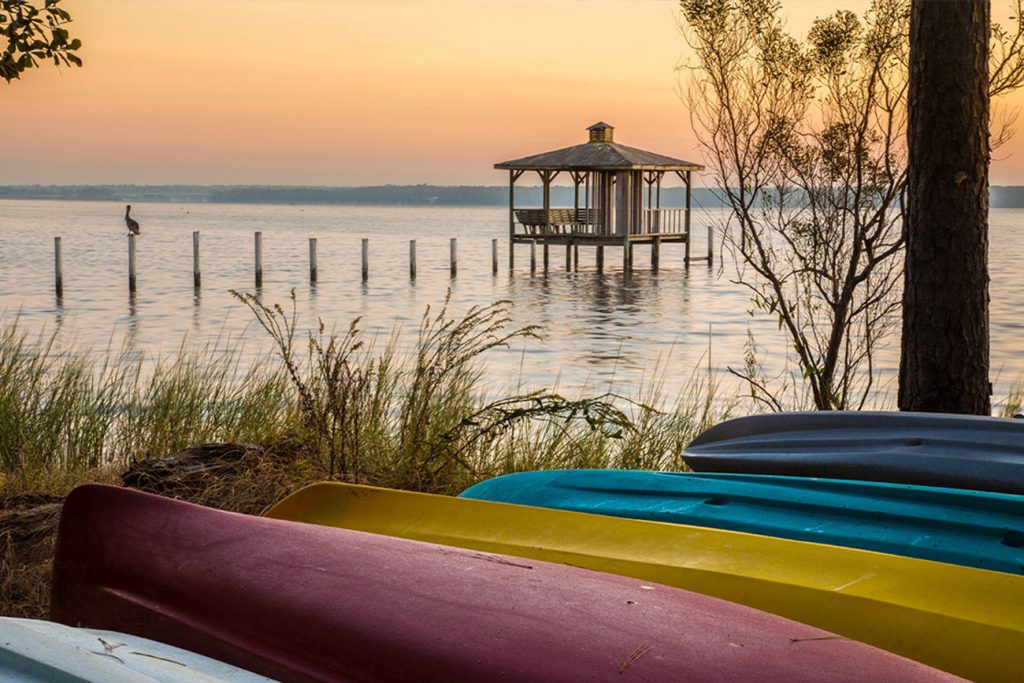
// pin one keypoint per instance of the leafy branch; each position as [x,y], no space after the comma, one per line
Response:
[33,33]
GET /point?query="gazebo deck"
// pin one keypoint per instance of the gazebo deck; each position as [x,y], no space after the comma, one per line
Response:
[589,239]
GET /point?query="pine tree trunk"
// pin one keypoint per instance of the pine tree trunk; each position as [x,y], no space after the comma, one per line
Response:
[945,349]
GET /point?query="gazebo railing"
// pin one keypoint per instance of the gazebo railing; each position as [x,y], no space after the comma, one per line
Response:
[655,221]
[588,222]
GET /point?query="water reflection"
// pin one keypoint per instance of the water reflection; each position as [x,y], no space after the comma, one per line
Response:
[59,314]
[197,300]
[131,324]
[598,325]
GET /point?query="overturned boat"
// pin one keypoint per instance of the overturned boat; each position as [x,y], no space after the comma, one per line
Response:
[300,602]
[925,449]
[972,528]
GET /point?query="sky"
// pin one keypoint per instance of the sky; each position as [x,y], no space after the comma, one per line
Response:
[354,92]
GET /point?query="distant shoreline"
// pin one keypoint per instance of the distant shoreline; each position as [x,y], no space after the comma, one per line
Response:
[1000,196]
[378,195]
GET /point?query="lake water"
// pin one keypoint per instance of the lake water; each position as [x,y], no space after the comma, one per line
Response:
[601,331]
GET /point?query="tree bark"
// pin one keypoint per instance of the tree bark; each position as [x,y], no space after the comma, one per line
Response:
[944,360]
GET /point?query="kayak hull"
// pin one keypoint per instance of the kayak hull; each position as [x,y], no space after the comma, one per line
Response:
[301,602]
[32,651]
[959,619]
[924,449]
[970,528]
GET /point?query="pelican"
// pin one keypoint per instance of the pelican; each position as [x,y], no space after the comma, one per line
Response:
[133,225]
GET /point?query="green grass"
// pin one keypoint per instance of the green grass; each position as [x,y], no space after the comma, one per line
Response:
[347,408]
[64,414]
[339,405]
[1014,403]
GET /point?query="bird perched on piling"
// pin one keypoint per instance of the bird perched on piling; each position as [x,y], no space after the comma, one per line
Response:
[133,225]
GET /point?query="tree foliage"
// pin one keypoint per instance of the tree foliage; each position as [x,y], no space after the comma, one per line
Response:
[806,143]
[35,33]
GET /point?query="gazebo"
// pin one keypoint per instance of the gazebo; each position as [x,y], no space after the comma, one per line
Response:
[617,199]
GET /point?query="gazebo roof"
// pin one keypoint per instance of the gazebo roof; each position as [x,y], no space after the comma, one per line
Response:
[600,154]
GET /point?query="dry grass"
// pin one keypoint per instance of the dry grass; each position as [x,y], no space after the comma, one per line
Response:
[333,407]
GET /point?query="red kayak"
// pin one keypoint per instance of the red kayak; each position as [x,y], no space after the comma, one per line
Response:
[309,603]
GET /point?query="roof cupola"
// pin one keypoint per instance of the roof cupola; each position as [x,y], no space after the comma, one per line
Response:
[601,132]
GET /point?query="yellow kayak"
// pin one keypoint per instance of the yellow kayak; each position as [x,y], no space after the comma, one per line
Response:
[966,621]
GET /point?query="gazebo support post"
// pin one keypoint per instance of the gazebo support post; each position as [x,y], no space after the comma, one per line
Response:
[576,180]
[587,204]
[657,199]
[685,177]
[512,175]
[545,177]
[687,215]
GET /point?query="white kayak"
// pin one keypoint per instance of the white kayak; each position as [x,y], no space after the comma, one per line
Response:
[33,651]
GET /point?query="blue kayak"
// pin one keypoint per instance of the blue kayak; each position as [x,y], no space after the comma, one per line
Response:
[924,449]
[974,529]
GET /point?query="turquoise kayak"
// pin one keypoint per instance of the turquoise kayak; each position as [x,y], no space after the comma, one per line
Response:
[973,529]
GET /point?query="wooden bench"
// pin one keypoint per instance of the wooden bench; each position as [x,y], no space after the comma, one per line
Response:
[562,220]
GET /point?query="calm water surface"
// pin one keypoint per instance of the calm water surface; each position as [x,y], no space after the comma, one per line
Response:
[600,331]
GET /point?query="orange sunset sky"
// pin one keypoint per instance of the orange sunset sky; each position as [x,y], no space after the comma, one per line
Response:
[355,92]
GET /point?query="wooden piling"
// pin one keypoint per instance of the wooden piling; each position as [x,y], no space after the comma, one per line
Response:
[453,258]
[655,252]
[131,263]
[197,278]
[686,253]
[546,258]
[575,257]
[627,257]
[366,258]
[259,259]
[312,260]
[600,258]
[533,256]
[711,246]
[494,257]
[412,259]
[568,258]
[58,268]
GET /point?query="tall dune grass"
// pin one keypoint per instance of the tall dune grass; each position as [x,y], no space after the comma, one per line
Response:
[65,413]
[341,406]
[1014,403]
[350,410]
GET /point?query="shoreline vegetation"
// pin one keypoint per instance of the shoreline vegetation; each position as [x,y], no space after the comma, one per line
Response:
[199,425]
[1000,197]
[377,195]
[355,408]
